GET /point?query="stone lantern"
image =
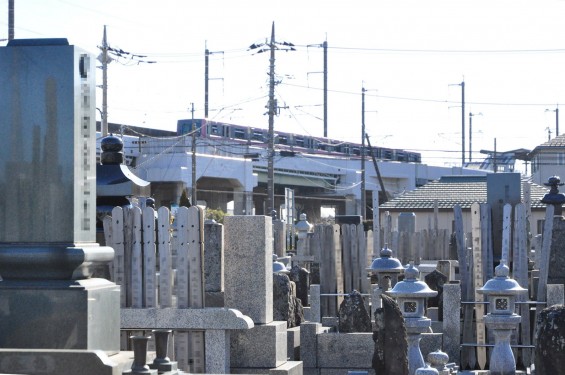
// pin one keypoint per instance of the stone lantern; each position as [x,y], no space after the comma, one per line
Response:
[554,197]
[302,227]
[411,295]
[387,269]
[501,319]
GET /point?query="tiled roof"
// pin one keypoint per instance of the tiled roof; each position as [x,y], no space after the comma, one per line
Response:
[452,190]
[558,141]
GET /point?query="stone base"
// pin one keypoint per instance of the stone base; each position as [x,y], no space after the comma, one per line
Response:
[263,346]
[348,351]
[287,368]
[57,362]
[293,343]
[60,314]
[214,299]
[344,371]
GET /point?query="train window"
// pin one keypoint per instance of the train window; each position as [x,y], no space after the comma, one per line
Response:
[214,129]
[300,142]
[400,156]
[387,154]
[283,140]
[356,151]
[257,135]
[239,133]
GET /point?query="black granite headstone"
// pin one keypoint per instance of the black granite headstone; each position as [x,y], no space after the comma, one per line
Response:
[353,316]
[550,348]
[391,346]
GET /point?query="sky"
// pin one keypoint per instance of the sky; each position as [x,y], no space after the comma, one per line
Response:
[410,57]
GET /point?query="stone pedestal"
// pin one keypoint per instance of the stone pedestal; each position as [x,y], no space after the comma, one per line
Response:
[263,346]
[58,314]
[57,362]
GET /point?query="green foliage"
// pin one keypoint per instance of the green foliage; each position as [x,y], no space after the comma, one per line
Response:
[217,215]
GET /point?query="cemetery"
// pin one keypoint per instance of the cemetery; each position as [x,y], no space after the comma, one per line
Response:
[167,292]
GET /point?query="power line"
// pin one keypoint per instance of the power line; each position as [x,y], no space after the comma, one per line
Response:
[443,101]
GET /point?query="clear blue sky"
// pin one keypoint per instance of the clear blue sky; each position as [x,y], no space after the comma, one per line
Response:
[411,56]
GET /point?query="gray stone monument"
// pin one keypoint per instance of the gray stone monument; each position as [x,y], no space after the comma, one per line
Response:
[47,179]
[391,345]
[352,314]
[550,348]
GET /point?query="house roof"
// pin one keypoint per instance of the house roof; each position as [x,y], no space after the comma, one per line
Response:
[557,142]
[451,190]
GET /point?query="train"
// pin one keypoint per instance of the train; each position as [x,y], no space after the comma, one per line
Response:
[290,141]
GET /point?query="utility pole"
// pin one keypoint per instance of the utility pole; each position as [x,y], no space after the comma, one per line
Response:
[105,61]
[495,159]
[462,123]
[193,158]
[556,121]
[271,147]
[325,46]
[206,61]
[363,199]
[471,133]
[11,19]
[556,110]
[207,54]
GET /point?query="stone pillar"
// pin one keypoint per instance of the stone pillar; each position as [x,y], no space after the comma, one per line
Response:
[248,268]
[315,304]
[214,264]
[451,320]
[217,351]
[249,288]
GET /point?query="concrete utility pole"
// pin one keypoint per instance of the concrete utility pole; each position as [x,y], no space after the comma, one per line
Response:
[206,61]
[463,124]
[556,110]
[325,46]
[271,147]
[363,193]
[471,133]
[104,61]
[194,202]
[207,54]
[11,19]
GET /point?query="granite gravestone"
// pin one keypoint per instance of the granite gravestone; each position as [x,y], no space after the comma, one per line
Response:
[391,346]
[301,278]
[352,314]
[47,179]
[550,348]
[286,307]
